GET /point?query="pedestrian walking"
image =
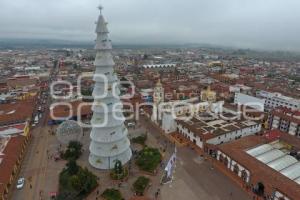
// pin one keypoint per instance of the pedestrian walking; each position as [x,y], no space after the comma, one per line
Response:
[156,195]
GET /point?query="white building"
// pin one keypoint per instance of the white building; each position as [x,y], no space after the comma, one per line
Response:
[211,130]
[253,102]
[274,100]
[286,120]
[239,88]
[158,98]
[210,123]
[174,110]
[159,66]
[109,134]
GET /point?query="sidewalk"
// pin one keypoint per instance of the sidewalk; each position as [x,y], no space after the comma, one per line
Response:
[219,166]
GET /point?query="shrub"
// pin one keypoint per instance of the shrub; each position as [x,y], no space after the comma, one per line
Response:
[119,172]
[75,182]
[112,194]
[148,159]
[140,185]
[140,140]
[74,151]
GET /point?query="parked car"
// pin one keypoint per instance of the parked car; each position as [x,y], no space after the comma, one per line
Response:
[20,183]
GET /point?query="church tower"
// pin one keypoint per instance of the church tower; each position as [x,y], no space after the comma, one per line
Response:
[109,140]
[158,97]
[158,93]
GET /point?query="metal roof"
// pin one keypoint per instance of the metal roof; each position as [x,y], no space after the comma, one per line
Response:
[259,150]
[283,162]
[292,172]
[270,156]
[278,160]
[297,180]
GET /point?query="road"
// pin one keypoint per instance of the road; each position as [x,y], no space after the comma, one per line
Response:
[35,166]
[194,178]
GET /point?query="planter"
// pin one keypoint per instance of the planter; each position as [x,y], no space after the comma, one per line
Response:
[125,178]
[154,173]
[141,186]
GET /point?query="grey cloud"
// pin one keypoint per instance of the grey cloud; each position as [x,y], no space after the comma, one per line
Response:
[267,24]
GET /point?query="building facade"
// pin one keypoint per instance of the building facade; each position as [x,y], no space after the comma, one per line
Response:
[264,165]
[274,100]
[286,120]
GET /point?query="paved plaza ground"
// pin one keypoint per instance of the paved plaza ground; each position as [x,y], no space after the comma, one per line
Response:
[194,178]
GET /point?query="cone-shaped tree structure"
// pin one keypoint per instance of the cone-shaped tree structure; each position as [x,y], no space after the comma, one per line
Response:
[109,141]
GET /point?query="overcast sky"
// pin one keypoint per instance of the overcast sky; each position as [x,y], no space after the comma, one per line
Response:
[267,24]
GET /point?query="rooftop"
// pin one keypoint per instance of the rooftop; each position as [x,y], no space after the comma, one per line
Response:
[9,155]
[276,155]
[209,126]
[268,161]
[16,112]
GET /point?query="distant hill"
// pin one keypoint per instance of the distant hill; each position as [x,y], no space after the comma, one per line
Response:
[58,44]
[41,44]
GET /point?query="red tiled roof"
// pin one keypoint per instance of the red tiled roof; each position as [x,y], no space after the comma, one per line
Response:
[273,135]
[11,153]
[63,111]
[259,171]
[287,114]
[20,111]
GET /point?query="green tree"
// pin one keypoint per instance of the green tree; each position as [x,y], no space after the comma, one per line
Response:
[74,150]
[112,194]
[140,185]
[148,159]
[72,167]
[76,182]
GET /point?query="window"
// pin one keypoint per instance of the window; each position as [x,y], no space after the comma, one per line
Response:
[221,158]
[244,175]
[226,162]
[236,169]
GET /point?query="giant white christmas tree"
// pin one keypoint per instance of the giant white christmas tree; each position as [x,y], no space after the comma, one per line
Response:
[109,142]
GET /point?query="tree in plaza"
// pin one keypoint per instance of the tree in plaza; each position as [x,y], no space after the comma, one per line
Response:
[88,180]
[148,159]
[140,185]
[74,150]
[112,194]
[72,167]
[76,182]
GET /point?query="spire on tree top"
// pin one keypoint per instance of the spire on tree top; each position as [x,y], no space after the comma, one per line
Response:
[100,7]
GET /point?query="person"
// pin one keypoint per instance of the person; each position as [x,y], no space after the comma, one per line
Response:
[156,195]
